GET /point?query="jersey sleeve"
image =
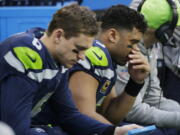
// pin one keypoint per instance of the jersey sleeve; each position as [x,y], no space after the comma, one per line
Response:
[95,64]
[23,56]
[98,64]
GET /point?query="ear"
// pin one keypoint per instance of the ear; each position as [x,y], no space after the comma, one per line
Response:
[57,35]
[113,35]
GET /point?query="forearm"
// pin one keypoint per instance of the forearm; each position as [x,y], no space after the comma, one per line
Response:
[97,116]
[145,114]
[119,107]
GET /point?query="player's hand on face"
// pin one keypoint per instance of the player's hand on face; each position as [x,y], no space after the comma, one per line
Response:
[138,67]
[124,129]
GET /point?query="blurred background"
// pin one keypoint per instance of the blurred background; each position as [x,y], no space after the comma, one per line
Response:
[20,15]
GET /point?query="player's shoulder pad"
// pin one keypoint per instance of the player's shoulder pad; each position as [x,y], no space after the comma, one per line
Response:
[97,56]
[28,57]
[26,50]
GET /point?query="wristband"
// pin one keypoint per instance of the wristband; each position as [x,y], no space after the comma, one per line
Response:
[109,130]
[132,88]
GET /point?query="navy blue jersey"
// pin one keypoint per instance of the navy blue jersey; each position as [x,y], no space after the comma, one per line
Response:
[98,63]
[29,77]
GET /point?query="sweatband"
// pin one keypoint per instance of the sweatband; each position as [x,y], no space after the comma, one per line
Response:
[132,88]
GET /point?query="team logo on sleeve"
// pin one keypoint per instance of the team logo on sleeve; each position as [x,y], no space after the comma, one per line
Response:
[98,56]
[31,58]
[105,86]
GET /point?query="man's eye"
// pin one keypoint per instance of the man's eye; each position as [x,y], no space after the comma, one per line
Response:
[75,51]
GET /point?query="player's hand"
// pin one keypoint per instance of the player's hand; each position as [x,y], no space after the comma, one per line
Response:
[124,129]
[138,67]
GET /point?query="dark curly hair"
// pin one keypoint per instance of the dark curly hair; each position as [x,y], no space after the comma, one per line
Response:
[121,16]
[74,20]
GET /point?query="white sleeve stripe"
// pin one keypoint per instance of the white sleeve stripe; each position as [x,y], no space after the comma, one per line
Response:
[108,73]
[14,62]
[85,63]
